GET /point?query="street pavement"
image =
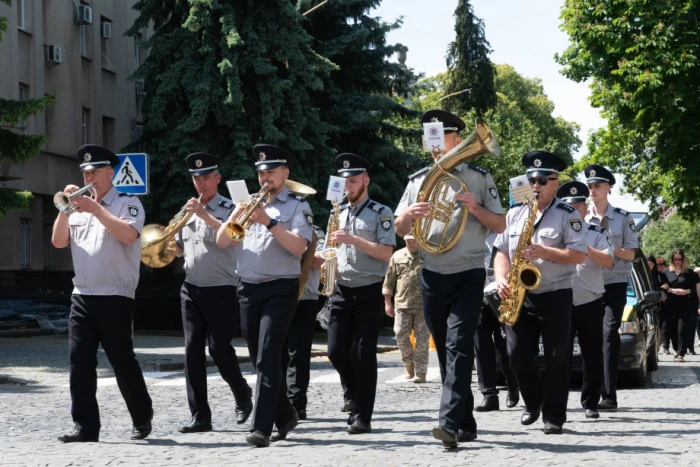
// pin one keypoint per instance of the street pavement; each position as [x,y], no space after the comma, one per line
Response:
[655,425]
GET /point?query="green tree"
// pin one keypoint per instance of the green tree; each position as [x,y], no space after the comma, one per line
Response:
[663,236]
[15,146]
[468,65]
[522,121]
[642,60]
[222,76]
[356,98]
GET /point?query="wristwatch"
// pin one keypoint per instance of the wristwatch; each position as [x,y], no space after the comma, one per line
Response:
[273,222]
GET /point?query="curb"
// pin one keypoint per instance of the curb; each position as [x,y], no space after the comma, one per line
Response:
[180,366]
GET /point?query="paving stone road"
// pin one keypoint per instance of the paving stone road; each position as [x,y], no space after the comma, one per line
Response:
[655,425]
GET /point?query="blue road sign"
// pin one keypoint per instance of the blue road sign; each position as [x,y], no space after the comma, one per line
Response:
[131,175]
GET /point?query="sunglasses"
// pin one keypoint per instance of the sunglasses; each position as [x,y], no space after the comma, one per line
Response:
[541,180]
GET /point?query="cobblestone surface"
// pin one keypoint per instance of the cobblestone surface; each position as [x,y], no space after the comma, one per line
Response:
[655,425]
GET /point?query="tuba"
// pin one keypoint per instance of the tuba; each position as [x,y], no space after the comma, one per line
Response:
[63,203]
[522,276]
[307,259]
[435,190]
[158,246]
[330,251]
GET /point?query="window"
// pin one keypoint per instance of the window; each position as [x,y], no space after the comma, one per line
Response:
[137,51]
[85,125]
[23,96]
[108,126]
[48,246]
[83,41]
[105,36]
[25,243]
[21,14]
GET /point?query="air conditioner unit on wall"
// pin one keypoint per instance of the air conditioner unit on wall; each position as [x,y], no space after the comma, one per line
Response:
[84,14]
[53,54]
[106,30]
[140,87]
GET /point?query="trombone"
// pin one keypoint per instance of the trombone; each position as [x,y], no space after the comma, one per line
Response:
[63,201]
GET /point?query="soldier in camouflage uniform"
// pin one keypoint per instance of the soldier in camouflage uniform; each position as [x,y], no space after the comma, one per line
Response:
[401,283]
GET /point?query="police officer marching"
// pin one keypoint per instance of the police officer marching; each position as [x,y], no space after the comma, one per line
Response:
[558,245]
[103,235]
[301,335]
[208,296]
[452,283]
[269,266]
[623,235]
[588,288]
[366,237]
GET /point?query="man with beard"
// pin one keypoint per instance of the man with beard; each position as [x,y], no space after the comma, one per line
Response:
[366,237]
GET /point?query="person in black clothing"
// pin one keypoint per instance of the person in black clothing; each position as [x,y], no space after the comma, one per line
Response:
[682,300]
[658,279]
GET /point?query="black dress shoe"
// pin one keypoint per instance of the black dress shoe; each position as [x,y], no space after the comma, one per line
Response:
[76,436]
[592,413]
[348,406]
[195,426]
[244,410]
[489,404]
[607,404]
[141,431]
[529,417]
[447,436]
[466,436]
[301,414]
[351,419]
[512,399]
[282,433]
[551,428]
[359,427]
[258,439]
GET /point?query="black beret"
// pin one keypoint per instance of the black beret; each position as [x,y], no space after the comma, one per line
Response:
[450,122]
[268,156]
[92,156]
[573,192]
[349,164]
[201,163]
[597,173]
[542,163]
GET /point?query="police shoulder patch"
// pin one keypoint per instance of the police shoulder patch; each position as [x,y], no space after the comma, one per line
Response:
[309,216]
[622,211]
[478,169]
[133,210]
[566,207]
[576,224]
[632,225]
[493,191]
[421,171]
[385,222]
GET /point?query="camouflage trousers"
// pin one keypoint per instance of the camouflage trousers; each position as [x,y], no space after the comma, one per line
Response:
[405,321]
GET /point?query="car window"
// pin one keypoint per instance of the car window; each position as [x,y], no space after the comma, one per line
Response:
[630,287]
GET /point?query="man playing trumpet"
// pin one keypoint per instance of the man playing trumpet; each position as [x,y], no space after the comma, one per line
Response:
[269,266]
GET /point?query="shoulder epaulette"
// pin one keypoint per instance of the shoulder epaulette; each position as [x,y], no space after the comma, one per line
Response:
[622,211]
[596,228]
[125,194]
[478,169]
[566,207]
[421,171]
[375,206]
[226,204]
[300,198]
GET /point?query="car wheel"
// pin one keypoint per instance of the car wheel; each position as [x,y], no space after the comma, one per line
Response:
[653,357]
[638,378]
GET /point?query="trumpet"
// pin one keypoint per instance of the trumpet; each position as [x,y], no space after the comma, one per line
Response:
[62,201]
[237,229]
[158,249]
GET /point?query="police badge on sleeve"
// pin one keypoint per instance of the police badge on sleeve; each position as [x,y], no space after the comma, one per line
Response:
[493,191]
[309,216]
[133,210]
[576,224]
[633,226]
[385,222]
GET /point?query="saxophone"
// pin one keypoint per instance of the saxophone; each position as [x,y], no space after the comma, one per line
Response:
[330,251]
[522,276]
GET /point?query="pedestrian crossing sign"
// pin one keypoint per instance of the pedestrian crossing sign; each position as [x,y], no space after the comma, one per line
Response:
[131,175]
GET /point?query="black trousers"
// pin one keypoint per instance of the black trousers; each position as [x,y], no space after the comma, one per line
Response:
[298,358]
[267,310]
[106,320]
[614,299]
[354,319]
[549,316]
[488,340]
[451,303]
[690,326]
[587,320]
[663,322]
[210,312]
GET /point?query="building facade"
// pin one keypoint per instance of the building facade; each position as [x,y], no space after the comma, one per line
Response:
[77,51]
